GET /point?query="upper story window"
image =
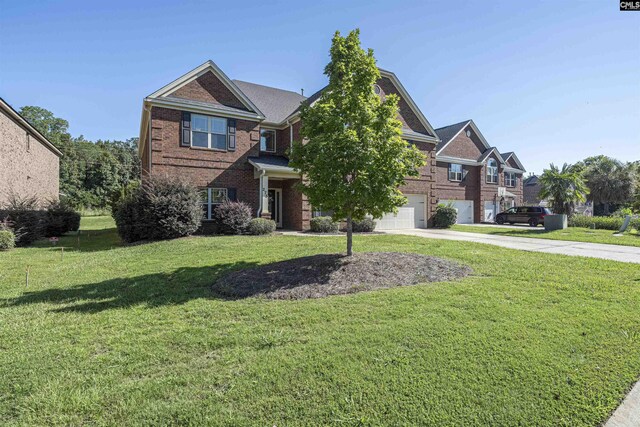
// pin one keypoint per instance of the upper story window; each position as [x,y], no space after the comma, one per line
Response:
[455,172]
[268,140]
[510,179]
[492,171]
[208,132]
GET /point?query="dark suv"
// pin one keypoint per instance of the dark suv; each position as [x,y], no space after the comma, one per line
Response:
[532,215]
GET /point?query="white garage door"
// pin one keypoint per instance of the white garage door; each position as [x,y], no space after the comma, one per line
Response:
[411,215]
[464,208]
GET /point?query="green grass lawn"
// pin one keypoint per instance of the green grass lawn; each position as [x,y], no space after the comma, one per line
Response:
[112,335]
[576,234]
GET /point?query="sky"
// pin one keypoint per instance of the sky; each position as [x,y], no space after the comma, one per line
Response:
[554,81]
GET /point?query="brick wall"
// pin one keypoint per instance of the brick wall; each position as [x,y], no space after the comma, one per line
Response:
[464,147]
[405,114]
[208,88]
[26,172]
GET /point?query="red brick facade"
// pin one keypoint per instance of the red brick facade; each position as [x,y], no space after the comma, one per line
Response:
[232,170]
[474,185]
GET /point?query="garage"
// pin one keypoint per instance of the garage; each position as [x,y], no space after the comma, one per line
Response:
[464,208]
[411,215]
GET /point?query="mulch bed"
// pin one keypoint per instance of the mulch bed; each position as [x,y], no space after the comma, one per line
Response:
[319,276]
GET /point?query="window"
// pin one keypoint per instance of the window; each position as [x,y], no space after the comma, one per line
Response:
[208,132]
[492,171]
[210,198]
[268,140]
[510,179]
[455,172]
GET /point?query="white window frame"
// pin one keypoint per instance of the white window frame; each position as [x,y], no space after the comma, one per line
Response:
[274,140]
[210,132]
[457,176]
[510,179]
[210,203]
[492,171]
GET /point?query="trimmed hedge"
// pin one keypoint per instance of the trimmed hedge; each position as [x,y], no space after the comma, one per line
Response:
[597,222]
[61,218]
[161,208]
[231,217]
[367,225]
[445,216]
[261,226]
[7,240]
[324,224]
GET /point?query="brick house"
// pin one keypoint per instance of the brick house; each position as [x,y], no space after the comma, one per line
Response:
[473,176]
[29,163]
[230,138]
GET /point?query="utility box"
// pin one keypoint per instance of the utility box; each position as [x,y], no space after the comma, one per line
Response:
[555,222]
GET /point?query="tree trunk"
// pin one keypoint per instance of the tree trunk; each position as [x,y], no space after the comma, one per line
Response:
[349,236]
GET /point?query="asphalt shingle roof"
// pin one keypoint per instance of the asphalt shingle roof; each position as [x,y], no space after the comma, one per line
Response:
[275,104]
[505,156]
[447,132]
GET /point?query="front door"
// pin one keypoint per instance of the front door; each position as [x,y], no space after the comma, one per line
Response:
[275,205]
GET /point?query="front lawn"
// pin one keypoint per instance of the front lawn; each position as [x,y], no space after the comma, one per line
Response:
[112,335]
[576,234]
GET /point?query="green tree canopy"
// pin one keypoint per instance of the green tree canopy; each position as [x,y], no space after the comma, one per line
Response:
[610,181]
[563,187]
[353,158]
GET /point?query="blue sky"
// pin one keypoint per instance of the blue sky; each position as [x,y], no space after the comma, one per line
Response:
[553,81]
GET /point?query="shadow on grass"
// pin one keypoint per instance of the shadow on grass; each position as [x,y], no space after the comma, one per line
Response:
[151,290]
[85,241]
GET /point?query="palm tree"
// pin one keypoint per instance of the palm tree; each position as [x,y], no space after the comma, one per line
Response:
[610,181]
[563,187]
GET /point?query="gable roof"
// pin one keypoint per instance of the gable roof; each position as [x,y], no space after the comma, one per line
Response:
[207,67]
[455,130]
[511,154]
[488,152]
[531,180]
[276,104]
[21,121]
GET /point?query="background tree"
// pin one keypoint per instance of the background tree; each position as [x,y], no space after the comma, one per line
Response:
[611,183]
[354,158]
[563,187]
[89,172]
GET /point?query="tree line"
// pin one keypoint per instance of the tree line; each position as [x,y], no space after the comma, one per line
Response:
[609,184]
[91,173]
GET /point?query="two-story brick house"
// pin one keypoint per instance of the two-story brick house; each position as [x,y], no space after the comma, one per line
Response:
[230,138]
[473,176]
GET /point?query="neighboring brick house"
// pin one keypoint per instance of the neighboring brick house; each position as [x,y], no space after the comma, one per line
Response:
[473,176]
[29,163]
[230,138]
[531,190]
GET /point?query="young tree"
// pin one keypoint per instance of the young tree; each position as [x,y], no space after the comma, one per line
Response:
[353,159]
[563,187]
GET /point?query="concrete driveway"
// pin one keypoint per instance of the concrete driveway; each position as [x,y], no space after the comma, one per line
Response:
[593,250]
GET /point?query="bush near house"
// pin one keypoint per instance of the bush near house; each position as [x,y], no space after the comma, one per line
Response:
[162,208]
[367,225]
[324,224]
[61,218]
[27,220]
[261,226]
[445,216]
[231,217]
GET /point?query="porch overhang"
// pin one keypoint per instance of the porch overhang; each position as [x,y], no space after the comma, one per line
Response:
[273,167]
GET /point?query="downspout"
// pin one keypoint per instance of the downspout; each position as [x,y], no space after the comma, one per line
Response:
[290,137]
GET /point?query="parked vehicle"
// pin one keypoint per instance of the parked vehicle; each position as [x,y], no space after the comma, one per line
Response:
[532,215]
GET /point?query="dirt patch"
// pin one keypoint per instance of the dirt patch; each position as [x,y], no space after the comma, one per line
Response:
[319,276]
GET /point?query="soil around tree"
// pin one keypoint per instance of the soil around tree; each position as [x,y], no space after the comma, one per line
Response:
[323,275]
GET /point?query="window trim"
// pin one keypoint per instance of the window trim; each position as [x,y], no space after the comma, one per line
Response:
[511,181]
[491,176]
[461,173]
[275,135]
[210,203]
[209,132]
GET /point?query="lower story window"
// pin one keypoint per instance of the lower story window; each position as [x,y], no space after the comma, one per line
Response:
[212,197]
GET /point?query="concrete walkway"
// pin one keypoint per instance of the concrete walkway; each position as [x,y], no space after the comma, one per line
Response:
[627,414]
[593,250]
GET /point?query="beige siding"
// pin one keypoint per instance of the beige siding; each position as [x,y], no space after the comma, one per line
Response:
[26,171]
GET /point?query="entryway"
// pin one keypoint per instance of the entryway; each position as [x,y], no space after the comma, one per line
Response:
[275,205]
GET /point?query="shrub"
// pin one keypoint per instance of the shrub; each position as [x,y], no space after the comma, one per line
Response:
[28,221]
[231,217]
[260,226]
[367,225]
[161,208]
[7,239]
[61,218]
[445,216]
[324,224]
[597,222]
